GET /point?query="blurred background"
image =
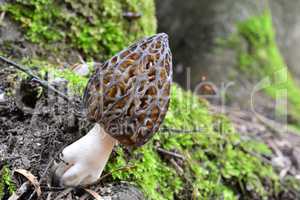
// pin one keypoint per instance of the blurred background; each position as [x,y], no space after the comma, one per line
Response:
[236,43]
[196,26]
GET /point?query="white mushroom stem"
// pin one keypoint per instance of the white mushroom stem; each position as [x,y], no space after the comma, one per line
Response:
[102,143]
[87,157]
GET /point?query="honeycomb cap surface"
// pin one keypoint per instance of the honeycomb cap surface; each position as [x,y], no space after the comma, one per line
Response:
[129,94]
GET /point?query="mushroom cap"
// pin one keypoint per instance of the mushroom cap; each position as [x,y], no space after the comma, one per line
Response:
[129,94]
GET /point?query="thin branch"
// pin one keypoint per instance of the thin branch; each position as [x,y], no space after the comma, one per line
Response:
[167,129]
[132,15]
[63,193]
[5,159]
[170,153]
[34,77]
[19,193]
[52,189]
[2,15]
[179,169]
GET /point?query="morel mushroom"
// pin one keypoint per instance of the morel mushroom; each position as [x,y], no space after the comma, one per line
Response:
[128,98]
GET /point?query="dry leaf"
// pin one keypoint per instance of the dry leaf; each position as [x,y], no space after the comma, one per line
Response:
[94,194]
[32,179]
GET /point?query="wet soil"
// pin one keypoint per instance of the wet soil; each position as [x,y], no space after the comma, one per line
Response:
[35,125]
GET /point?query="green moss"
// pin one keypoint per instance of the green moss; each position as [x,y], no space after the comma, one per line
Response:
[259,57]
[6,183]
[76,83]
[99,30]
[218,164]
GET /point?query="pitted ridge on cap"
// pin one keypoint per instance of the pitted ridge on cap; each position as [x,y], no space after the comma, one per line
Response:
[129,94]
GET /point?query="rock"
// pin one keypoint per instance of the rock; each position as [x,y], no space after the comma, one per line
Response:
[121,191]
[59,82]
[296,157]
[81,69]
[9,31]
[286,19]
[2,96]
[281,162]
[26,94]
[285,146]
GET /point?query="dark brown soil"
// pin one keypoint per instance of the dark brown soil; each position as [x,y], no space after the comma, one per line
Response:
[34,128]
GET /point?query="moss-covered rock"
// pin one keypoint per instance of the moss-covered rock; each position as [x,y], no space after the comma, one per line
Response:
[259,59]
[95,29]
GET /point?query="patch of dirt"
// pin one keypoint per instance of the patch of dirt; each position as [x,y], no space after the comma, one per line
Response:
[33,135]
[34,129]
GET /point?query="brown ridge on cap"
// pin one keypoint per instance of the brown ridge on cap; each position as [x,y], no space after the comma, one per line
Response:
[129,94]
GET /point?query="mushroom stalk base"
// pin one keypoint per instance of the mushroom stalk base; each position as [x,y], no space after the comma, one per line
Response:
[87,157]
[102,145]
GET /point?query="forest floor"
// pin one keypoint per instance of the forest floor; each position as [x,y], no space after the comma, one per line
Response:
[31,139]
[283,141]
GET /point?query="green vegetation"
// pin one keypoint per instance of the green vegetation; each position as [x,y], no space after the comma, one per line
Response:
[217,166]
[258,56]
[76,83]
[218,163]
[96,29]
[6,183]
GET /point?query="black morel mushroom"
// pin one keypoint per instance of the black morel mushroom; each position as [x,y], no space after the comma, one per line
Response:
[127,97]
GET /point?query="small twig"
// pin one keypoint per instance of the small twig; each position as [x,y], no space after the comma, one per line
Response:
[170,153]
[52,189]
[5,159]
[177,167]
[63,193]
[254,154]
[22,190]
[170,130]
[2,15]
[34,77]
[132,15]
[271,125]
[93,194]
[126,168]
